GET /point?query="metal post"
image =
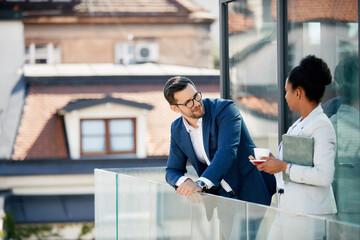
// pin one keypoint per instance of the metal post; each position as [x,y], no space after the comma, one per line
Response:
[224,50]
[282,59]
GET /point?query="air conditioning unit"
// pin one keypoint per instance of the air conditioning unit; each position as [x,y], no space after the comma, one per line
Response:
[146,52]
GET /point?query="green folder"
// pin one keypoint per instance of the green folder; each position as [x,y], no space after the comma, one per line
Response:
[298,150]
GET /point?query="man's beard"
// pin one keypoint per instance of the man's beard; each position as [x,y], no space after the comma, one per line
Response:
[194,113]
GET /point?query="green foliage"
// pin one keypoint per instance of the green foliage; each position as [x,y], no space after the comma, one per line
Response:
[216,57]
[9,225]
[39,231]
[216,61]
[13,232]
[86,228]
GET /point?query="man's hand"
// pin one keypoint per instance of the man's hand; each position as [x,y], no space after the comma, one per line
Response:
[272,165]
[188,188]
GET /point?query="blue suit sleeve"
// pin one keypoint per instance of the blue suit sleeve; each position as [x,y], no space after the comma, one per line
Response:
[176,164]
[229,121]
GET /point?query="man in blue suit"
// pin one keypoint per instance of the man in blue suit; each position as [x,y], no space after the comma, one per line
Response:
[212,135]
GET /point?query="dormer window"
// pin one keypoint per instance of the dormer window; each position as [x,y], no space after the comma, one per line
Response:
[105,128]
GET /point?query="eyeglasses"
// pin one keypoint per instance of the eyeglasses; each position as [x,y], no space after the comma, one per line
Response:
[190,103]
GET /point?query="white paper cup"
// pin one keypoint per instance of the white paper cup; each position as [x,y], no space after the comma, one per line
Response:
[261,152]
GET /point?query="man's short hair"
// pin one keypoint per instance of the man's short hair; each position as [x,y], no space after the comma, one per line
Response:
[174,85]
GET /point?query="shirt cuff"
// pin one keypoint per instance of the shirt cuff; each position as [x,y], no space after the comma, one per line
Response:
[180,181]
[208,183]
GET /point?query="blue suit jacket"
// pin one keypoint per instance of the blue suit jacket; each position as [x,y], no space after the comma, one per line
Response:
[228,145]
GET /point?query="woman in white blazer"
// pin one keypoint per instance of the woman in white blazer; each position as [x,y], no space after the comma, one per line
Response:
[309,191]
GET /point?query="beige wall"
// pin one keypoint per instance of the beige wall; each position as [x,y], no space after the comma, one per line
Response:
[179,44]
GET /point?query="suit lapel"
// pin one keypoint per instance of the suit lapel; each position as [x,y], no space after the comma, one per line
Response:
[206,130]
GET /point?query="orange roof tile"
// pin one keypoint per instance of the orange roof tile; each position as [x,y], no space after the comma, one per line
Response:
[138,6]
[307,10]
[115,11]
[238,22]
[126,6]
[260,105]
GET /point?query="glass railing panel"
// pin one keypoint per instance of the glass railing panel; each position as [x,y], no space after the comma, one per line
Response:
[133,207]
[146,209]
[259,221]
[289,225]
[215,217]
[169,213]
[105,204]
[156,174]
[340,230]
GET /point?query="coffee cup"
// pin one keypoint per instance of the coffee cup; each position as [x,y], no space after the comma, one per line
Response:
[261,152]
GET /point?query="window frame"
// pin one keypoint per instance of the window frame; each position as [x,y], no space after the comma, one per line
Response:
[52,53]
[282,59]
[107,137]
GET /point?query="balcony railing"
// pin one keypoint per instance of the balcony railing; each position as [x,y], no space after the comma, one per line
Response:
[137,203]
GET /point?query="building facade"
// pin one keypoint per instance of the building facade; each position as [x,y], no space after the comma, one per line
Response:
[121,32]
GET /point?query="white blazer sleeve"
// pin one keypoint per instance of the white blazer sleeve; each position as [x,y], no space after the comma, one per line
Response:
[324,156]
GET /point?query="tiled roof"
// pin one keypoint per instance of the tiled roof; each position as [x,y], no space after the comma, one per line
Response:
[126,6]
[238,22]
[118,8]
[260,105]
[306,10]
[138,6]
[41,133]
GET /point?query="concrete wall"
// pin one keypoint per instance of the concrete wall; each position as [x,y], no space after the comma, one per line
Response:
[11,90]
[11,57]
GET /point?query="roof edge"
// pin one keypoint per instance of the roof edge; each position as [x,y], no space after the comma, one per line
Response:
[85,103]
[74,80]
[69,166]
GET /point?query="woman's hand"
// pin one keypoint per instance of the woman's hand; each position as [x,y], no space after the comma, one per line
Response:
[272,165]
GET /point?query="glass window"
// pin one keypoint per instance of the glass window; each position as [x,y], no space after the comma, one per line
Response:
[253,68]
[42,54]
[93,136]
[107,136]
[121,134]
[330,31]
[124,53]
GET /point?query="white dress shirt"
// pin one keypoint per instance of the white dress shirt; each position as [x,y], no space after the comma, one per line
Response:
[311,191]
[196,136]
